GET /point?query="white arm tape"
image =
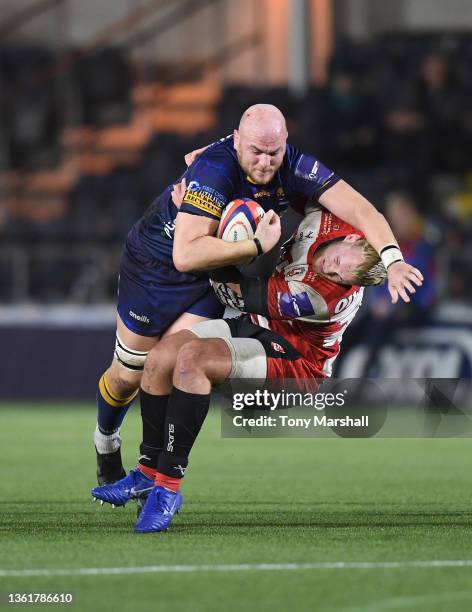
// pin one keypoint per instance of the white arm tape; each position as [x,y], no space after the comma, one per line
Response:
[389,254]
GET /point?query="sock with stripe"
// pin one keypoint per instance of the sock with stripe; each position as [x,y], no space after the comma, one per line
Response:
[111,412]
[169,483]
[185,415]
[147,471]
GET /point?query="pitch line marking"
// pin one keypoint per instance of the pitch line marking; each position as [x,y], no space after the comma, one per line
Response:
[240,567]
[408,602]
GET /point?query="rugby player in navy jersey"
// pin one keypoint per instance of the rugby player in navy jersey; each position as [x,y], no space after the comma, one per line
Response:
[162,288]
[299,316]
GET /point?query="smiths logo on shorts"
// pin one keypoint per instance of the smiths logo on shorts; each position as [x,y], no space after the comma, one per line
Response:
[205,198]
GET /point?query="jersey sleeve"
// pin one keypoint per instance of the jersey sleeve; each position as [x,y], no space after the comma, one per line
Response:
[210,184]
[277,298]
[310,179]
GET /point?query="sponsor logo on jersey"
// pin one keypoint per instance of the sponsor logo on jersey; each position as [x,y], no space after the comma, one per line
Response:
[169,229]
[193,186]
[327,224]
[347,301]
[262,194]
[142,318]
[307,234]
[314,170]
[205,198]
[310,169]
[277,347]
[295,305]
[296,271]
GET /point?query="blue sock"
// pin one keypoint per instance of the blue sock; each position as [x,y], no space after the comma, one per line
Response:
[111,410]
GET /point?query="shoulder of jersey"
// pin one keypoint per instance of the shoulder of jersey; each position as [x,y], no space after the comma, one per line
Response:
[291,152]
[338,227]
[220,154]
[221,147]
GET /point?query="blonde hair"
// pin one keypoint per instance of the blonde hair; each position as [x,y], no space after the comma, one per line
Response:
[371,271]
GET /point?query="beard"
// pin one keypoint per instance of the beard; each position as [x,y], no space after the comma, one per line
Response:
[256,176]
[261,178]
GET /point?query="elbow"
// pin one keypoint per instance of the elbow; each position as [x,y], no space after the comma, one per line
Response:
[181,262]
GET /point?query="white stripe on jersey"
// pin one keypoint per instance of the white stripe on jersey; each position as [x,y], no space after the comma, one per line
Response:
[346,317]
[346,308]
[260,320]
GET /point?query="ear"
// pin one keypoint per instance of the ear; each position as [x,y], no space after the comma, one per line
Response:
[351,238]
[236,138]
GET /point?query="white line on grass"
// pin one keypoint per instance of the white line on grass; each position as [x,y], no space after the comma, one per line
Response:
[412,602]
[241,567]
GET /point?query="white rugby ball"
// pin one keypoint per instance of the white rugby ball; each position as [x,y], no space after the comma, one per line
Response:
[240,220]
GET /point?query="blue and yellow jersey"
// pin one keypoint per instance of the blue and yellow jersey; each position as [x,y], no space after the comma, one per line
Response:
[214,180]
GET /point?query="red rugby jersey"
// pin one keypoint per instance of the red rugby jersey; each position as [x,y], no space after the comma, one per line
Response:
[309,310]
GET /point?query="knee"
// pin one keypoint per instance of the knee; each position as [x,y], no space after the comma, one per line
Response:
[190,360]
[122,382]
[159,362]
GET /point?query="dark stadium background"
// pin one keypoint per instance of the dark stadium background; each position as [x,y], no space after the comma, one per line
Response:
[101,100]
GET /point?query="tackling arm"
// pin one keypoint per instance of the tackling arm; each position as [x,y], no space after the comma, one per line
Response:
[196,248]
[274,298]
[350,206]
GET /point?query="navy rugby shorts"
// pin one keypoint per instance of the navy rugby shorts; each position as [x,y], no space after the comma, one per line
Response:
[149,302]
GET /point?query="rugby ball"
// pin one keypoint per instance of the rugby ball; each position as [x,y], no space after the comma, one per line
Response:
[240,220]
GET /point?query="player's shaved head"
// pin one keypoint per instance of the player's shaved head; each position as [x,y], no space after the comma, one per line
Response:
[260,142]
[263,119]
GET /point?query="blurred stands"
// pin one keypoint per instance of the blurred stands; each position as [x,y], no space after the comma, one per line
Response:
[87,149]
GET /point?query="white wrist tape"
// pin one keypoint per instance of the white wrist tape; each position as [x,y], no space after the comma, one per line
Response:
[389,254]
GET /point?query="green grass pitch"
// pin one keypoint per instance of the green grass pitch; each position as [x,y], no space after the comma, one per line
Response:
[245,502]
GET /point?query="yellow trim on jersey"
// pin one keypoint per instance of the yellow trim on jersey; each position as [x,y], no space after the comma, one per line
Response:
[203,202]
[327,181]
[110,398]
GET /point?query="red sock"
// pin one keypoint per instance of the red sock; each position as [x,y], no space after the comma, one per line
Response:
[161,480]
[147,471]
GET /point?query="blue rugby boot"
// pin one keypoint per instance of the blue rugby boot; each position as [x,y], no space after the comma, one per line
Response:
[158,511]
[134,486]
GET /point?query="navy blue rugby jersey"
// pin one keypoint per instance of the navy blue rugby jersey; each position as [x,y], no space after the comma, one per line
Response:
[214,180]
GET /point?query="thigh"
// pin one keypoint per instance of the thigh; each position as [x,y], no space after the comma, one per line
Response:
[184,322]
[283,361]
[242,357]
[150,308]
[133,340]
[204,308]
[210,356]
